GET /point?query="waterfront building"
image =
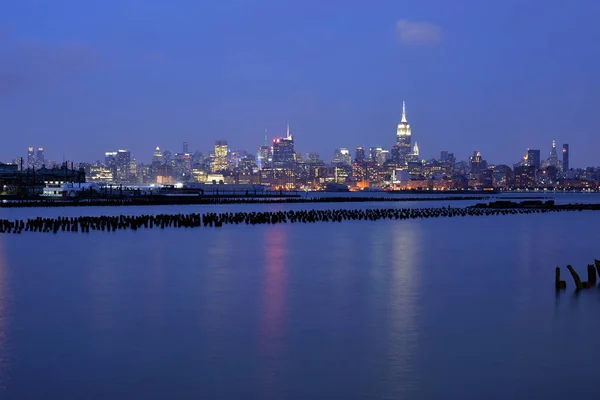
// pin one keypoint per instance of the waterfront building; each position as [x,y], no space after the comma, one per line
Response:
[525,176]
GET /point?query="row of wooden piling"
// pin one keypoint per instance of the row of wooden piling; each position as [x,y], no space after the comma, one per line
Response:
[122,222]
[215,200]
[592,269]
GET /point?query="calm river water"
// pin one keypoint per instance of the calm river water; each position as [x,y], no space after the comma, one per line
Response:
[460,308]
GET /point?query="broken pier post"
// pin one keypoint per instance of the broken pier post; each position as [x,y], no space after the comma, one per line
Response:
[559,284]
[576,278]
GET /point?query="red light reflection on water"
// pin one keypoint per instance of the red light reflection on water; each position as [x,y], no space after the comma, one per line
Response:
[272,325]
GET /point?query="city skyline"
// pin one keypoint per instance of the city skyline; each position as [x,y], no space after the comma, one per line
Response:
[403,130]
[79,82]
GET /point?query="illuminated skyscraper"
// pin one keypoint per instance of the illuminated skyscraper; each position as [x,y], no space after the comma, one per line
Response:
[30,158]
[264,154]
[123,165]
[40,160]
[553,158]
[342,157]
[565,157]
[283,151]
[359,154]
[221,152]
[403,137]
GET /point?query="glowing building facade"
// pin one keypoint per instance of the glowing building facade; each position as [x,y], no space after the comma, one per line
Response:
[403,139]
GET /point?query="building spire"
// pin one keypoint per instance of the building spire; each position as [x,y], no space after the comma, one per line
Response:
[404,112]
[288,133]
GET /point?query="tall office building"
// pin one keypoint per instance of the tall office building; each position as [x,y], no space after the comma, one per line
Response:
[565,150]
[123,165]
[477,162]
[403,137]
[283,151]
[533,158]
[220,162]
[40,160]
[359,154]
[157,158]
[553,158]
[185,148]
[30,158]
[342,157]
[264,154]
[374,153]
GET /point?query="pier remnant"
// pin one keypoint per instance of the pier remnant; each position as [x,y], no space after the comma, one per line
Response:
[559,284]
[578,283]
[591,275]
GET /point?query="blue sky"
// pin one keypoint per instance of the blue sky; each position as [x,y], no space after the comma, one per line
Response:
[81,77]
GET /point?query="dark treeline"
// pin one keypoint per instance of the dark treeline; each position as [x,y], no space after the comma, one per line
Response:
[162,200]
[122,222]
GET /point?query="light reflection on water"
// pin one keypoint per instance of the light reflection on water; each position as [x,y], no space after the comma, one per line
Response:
[403,313]
[272,324]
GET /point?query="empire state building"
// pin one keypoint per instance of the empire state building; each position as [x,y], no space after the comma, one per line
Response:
[403,137]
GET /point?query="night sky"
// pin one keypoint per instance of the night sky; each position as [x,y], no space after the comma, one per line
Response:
[82,77]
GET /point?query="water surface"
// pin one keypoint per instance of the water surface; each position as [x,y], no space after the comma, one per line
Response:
[417,309]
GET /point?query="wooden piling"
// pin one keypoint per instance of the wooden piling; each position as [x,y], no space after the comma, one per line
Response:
[597,263]
[559,284]
[591,275]
[578,283]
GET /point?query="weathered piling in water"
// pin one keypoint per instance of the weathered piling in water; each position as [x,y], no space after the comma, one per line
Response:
[591,274]
[578,283]
[163,221]
[597,263]
[559,284]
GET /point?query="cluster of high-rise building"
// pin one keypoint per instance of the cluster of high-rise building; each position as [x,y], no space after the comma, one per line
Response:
[35,158]
[277,164]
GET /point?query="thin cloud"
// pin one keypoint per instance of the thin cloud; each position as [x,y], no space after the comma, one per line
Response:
[418,33]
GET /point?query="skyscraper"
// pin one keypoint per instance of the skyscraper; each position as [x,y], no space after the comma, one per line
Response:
[264,154]
[40,160]
[221,152]
[283,151]
[359,154]
[185,148]
[553,158]
[342,157]
[403,137]
[533,158]
[565,157]
[157,158]
[123,164]
[30,158]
